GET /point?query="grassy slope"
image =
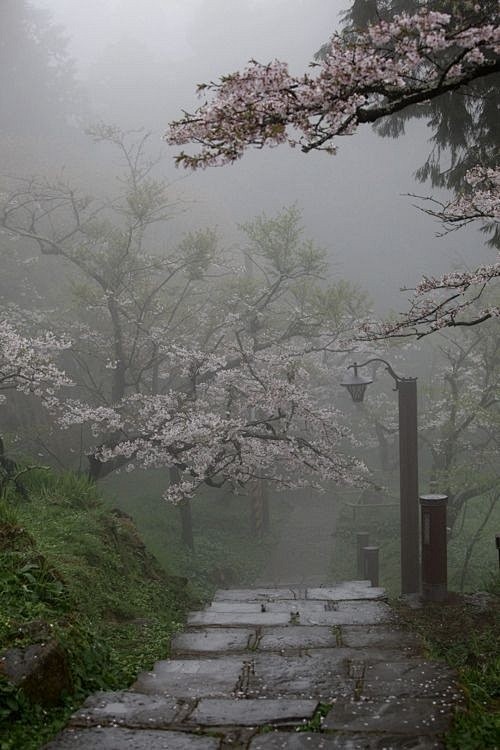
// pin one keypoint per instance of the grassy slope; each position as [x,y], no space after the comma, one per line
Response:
[225,552]
[73,569]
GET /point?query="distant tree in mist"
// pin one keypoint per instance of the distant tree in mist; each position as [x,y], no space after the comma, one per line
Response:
[460,419]
[40,92]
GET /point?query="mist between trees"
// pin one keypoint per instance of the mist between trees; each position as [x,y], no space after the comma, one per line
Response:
[215,354]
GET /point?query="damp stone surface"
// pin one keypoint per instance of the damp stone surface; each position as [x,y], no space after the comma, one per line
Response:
[280,666]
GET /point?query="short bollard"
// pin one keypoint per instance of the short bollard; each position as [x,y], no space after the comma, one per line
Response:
[370,564]
[362,540]
[434,555]
[497,542]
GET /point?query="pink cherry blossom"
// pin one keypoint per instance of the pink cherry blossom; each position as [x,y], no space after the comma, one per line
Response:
[363,77]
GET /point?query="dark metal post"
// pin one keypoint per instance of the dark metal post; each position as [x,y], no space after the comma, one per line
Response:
[497,542]
[434,557]
[362,540]
[370,565]
[408,474]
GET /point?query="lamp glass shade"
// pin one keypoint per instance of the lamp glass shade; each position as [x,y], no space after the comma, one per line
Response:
[356,385]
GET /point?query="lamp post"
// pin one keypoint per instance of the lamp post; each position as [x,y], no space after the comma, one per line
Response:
[408,466]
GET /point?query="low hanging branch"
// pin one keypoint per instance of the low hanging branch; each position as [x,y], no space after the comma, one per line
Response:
[454,299]
[363,77]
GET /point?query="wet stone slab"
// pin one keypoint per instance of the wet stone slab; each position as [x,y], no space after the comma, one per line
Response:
[214,640]
[409,678]
[240,619]
[303,637]
[405,716]
[321,676]
[259,594]
[379,636]
[342,592]
[302,613]
[302,605]
[347,613]
[290,638]
[340,741]
[128,709]
[128,739]
[191,678]
[213,712]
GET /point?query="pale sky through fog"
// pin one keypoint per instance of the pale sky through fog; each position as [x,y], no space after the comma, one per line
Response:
[141,62]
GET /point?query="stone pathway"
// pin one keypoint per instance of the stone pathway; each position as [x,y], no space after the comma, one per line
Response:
[288,667]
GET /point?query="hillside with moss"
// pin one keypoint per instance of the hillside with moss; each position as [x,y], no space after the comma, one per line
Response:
[75,575]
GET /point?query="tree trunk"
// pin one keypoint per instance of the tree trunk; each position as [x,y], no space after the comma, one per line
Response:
[185,511]
[187,523]
[259,508]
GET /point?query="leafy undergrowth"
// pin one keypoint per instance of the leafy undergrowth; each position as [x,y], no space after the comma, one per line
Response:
[74,572]
[466,633]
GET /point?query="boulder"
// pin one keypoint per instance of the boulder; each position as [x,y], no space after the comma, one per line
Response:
[41,671]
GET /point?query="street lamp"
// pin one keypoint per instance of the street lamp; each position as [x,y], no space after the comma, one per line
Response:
[408,466]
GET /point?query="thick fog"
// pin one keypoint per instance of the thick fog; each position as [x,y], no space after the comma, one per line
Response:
[184,358]
[140,63]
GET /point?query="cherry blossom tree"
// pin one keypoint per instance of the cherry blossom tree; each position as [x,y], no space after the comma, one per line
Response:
[126,292]
[254,421]
[463,124]
[211,345]
[460,418]
[27,363]
[27,366]
[363,77]
[451,300]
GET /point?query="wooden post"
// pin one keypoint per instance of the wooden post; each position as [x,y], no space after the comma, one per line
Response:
[370,564]
[187,535]
[259,509]
[434,553]
[362,540]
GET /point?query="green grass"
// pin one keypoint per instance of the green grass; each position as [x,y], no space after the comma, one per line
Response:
[226,552]
[74,570]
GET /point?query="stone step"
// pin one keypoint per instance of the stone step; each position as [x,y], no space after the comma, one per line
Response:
[280,613]
[251,670]
[343,741]
[218,712]
[339,592]
[128,709]
[192,678]
[140,711]
[218,640]
[114,738]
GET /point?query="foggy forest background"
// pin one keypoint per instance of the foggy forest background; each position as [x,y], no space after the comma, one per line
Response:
[136,67]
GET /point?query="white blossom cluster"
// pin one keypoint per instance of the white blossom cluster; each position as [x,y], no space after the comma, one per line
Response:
[27,363]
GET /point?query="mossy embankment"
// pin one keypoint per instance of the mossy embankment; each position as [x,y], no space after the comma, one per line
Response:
[76,575]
